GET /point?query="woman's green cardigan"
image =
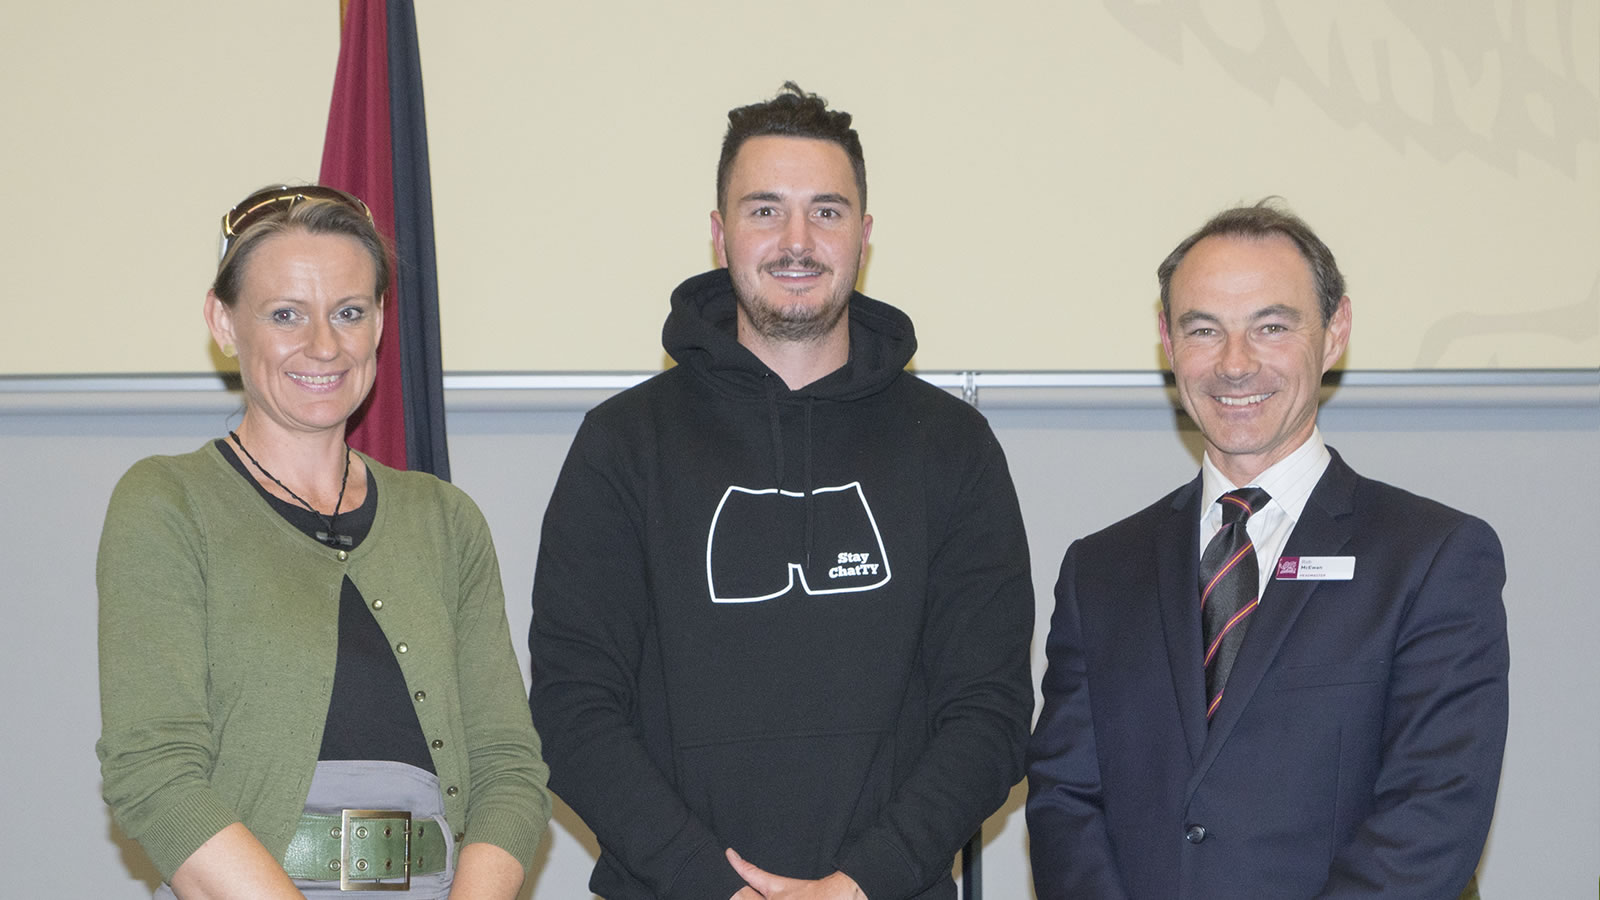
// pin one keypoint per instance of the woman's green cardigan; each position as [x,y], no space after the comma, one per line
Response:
[218,633]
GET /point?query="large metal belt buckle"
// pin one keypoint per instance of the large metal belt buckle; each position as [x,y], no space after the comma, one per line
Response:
[353,824]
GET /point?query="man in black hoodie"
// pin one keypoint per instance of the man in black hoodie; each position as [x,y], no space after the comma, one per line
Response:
[782,609]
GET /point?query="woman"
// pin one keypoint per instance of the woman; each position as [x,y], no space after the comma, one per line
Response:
[292,635]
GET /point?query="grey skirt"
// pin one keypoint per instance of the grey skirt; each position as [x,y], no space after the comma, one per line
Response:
[368,784]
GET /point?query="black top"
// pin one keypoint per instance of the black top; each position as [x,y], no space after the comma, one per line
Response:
[370,715]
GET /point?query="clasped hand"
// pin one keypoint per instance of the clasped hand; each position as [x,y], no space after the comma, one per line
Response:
[763,885]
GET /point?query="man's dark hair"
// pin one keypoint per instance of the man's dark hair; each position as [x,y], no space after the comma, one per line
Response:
[793,113]
[1263,220]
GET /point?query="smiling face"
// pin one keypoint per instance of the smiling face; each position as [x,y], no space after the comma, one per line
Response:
[306,326]
[1248,348]
[792,237]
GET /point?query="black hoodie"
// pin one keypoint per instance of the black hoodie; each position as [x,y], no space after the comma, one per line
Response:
[794,623]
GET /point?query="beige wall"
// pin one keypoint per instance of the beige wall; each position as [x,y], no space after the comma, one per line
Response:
[1030,163]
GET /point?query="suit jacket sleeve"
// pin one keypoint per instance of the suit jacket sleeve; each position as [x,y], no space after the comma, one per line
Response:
[1444,731]
[1070,845]
[590,617]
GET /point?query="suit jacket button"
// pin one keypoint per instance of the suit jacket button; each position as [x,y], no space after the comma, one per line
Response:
[1195,834]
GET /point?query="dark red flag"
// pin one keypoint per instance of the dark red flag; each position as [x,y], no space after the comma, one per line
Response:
[377,149]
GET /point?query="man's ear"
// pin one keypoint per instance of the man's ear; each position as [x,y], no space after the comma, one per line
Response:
[718,246]
[1166,334]
[1337,335]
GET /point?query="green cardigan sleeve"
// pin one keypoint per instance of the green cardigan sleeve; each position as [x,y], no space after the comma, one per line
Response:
[509,805]
[156,749]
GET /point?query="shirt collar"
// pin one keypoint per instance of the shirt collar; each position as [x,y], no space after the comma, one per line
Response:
[1289,481]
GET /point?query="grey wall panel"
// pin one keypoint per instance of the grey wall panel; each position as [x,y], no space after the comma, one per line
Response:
[56,474]
[508,462]
[1083,455]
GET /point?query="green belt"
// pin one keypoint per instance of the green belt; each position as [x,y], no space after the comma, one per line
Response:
[362,846]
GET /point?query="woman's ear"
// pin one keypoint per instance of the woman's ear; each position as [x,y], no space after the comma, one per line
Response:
[220,320]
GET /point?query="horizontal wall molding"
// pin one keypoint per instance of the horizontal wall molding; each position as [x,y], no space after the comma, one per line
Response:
[534,391]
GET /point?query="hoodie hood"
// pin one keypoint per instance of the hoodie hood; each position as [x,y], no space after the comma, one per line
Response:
[701,334]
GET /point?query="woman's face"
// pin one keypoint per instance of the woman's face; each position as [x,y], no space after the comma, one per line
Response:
[306,326]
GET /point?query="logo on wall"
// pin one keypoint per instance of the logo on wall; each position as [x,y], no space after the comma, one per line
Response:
[757,548]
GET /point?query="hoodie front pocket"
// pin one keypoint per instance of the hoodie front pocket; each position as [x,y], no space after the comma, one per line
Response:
[788,803]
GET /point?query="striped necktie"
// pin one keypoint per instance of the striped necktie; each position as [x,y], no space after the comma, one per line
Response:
[1229,589]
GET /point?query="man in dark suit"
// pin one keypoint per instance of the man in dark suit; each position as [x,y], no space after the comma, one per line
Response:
[1297,689]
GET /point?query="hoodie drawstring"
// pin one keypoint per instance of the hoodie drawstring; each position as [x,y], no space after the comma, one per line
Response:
[777,432]
[810,517]
[776,425]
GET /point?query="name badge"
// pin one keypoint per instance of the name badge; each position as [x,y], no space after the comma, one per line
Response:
[1316,568]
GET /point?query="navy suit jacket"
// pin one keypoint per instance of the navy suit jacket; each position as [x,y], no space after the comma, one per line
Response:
[1355,753]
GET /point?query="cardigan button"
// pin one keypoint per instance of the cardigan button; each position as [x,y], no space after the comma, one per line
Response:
[377,604]
[401,647]
[452,790]
[438,744]
[342,556]
[421,696]
[1195,834]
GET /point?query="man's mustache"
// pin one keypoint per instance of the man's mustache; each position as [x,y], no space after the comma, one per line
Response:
[789,262]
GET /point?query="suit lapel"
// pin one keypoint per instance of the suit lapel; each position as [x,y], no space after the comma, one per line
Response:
[1324,528]
[1178,590]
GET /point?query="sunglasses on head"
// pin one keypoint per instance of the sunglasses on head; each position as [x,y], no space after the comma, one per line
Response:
[280,198]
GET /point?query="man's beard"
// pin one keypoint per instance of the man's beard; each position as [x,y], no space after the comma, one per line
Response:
[798,321]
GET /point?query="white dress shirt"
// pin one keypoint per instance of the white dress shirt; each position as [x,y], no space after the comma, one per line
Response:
[1289,482]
